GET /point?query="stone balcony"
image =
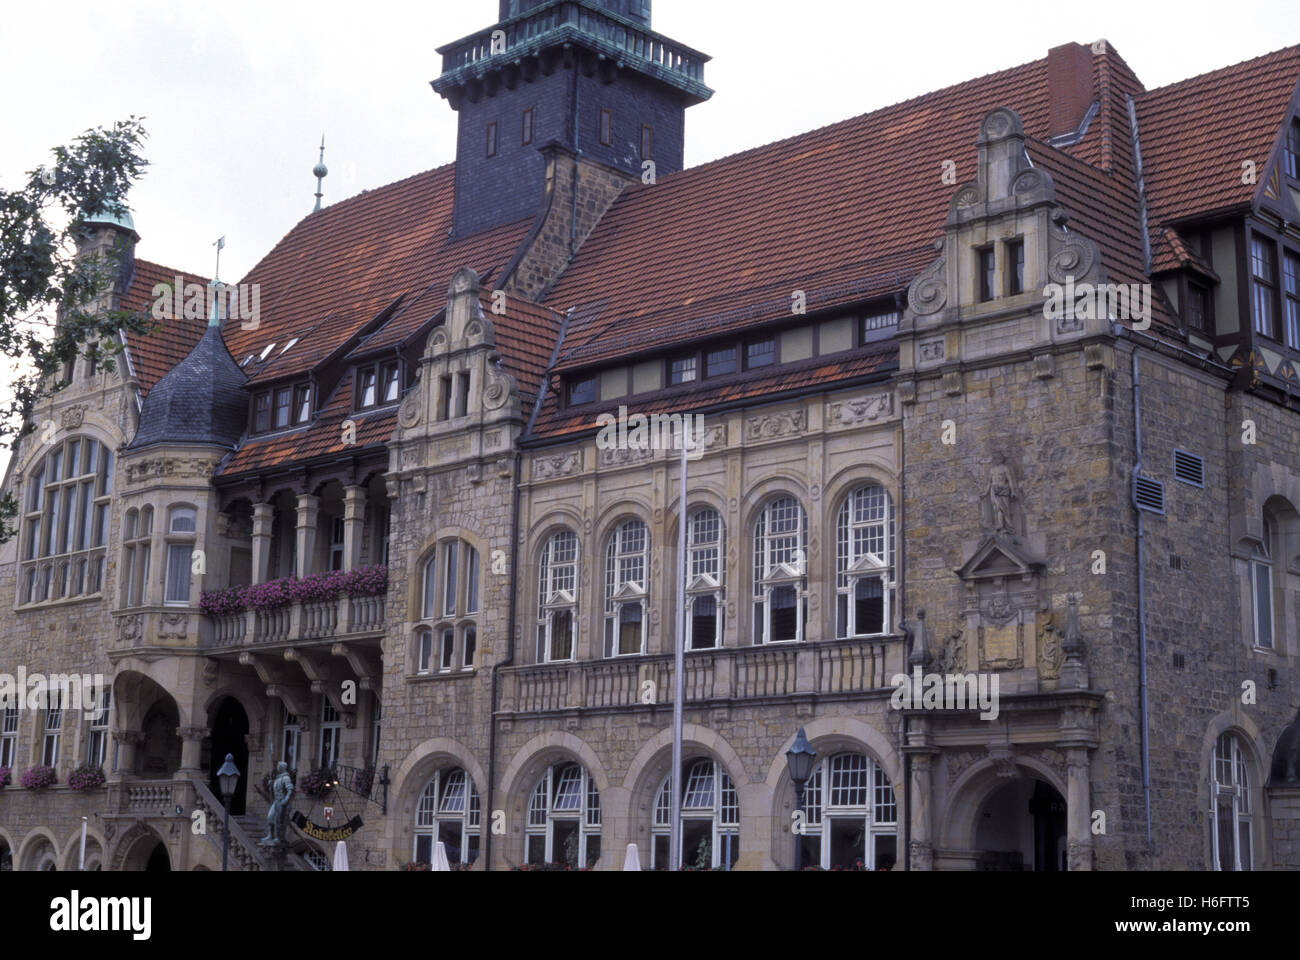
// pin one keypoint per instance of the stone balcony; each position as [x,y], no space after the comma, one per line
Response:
[341,619]
[830,668]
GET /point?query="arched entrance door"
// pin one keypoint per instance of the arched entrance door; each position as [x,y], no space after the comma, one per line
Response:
[158,860]
[159,757]
[1021,826]
[229,735]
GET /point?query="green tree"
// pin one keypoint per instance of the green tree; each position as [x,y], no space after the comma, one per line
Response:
[47,291]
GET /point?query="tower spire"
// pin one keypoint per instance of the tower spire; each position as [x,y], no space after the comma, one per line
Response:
[320,172]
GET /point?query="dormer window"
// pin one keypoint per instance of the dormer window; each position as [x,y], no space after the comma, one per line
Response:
[879,325]
[1197,308]
[582,391]
[378,384]
[682,371]
[281,407]
[760,353]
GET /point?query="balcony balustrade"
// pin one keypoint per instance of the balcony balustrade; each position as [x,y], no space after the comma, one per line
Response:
[331,620]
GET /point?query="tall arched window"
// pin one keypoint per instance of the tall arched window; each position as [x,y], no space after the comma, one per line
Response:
[449,598]
[137,544]
[704,576]
[557,598]
[780,572]
[563,823]
[450,813]
[625,590]
[181,523]
[710,818]
[1261,585]
[65,521]
[1231,822]
[850,815]
[864,563]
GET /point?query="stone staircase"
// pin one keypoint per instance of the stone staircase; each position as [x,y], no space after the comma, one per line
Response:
[245,831]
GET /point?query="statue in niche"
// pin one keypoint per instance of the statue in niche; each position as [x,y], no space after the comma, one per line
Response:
[1000,497]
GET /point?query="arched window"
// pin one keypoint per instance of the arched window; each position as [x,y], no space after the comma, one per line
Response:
[704,575]
[710,818]
[1231,822]
[625,590]
[864,563]
[780,572]
[450,813]
[449,595]
[65,522]
[1261,585]
[850,815]
[181,525]
[557,598]
[563,823]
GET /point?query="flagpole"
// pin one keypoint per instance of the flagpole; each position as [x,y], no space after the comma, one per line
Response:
[679,681]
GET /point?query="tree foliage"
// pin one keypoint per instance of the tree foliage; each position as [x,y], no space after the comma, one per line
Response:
[49,296]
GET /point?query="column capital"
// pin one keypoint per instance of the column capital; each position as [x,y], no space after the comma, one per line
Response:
[193,733]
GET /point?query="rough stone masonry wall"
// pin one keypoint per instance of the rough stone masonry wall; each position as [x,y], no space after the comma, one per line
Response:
[1062,436]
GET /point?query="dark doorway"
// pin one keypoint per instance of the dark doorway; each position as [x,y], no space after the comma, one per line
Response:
[229,735]
[158,860]
[159,756]
[1047,807]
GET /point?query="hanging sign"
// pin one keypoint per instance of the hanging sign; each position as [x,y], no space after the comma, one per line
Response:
[328,834]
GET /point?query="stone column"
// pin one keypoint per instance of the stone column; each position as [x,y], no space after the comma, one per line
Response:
[354,523]
[1078,810]
[308,516]
[127,741]
[922,846]
[191,749]
[263,516]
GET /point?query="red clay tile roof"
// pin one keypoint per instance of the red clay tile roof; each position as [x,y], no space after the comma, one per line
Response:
[826,208]
[169,341]
[340,268]
[1169,251]
[1196,134]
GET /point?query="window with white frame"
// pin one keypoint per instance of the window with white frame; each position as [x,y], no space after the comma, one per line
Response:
[704,572]
[65,522]
[780,572]
[53,728]
[625,589]
[864,563]
[850,815]
[450,813]
[180,550]
[449,594]
[1231,821]
[8,736]
[290,737]
[710,818]
[331,730]
[97,737]
[563,824]
[137,544]
[1261,586]
[557,598]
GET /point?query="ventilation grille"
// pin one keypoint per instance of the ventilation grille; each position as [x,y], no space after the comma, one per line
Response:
[1179,661]
[1149,494]
[1189,468]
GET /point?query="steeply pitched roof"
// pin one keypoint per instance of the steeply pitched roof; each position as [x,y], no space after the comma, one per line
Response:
[1197,133]
[200,400]
[168,342]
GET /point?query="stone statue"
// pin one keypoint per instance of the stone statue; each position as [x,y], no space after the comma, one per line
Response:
[1001,494]
[277,818]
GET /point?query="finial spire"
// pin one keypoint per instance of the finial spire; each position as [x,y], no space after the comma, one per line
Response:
[220,244]
[320,172]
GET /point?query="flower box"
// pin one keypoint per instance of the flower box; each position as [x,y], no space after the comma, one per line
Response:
[86,777]
[38,778]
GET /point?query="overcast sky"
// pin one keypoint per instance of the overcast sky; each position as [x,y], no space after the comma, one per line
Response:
[237,93]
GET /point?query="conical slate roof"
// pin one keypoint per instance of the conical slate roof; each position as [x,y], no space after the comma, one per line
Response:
[200,400]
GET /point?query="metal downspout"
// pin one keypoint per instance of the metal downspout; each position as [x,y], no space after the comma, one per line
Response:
[1142,597]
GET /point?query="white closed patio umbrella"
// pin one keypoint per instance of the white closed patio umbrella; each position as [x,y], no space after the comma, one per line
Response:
[633,859]
[340,857]
[440,858]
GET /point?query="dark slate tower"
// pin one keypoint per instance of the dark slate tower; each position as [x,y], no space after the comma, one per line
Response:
[588,74]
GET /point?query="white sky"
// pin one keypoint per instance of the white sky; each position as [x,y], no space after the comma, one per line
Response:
[236,93]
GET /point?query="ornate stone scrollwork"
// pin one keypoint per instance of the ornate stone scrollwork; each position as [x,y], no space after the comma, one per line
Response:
[928,293]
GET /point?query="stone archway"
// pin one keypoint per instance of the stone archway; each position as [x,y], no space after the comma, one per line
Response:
[158,756]
[1008,818]
[230,736]
[141,848]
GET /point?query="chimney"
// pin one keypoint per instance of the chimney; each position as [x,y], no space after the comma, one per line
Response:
[1069,87]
